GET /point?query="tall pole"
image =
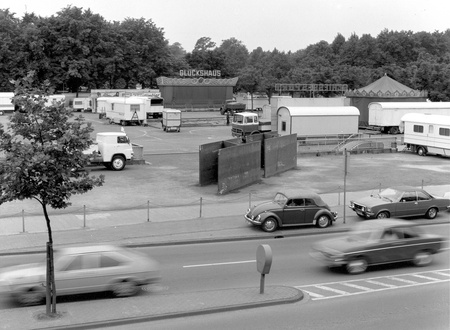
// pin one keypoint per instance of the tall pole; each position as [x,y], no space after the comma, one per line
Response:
[345,181]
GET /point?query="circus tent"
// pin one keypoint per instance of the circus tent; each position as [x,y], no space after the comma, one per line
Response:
[384,89]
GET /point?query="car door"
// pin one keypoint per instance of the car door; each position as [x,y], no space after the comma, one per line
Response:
[393,246]
[294,212]
[77,274]
[311,210]
[407,205]
[424,201]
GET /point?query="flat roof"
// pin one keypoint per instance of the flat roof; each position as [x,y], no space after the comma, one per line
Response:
[426,118]
[321,111]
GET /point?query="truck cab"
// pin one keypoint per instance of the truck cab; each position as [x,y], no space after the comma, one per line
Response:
[111,149]
[244,123]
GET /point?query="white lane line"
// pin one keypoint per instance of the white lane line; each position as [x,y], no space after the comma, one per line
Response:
[326,288]
[351,285]
[220,264]
[426,277]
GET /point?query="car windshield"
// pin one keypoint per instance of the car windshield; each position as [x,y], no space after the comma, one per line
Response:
[363,233]
[280,198]
[390,194]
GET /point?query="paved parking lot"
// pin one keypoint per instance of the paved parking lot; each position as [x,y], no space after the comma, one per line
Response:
[171,174]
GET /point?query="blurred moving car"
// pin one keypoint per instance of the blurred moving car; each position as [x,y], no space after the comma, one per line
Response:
[83,270]
[378,242]
[402,201]
[305,208]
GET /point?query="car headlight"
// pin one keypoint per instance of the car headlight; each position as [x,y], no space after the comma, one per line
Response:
[368,209]
[352,205]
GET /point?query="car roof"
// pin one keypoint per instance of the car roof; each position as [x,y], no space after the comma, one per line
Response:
[88,249]
[303,194]
[406,188]
[384,223]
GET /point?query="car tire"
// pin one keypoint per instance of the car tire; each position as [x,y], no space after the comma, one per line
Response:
[30,297]
[422,258]
[323,221]
[118,163]
[421,151]
[356,266]
[269,225]
[383,215]
[431,213]
[125,288]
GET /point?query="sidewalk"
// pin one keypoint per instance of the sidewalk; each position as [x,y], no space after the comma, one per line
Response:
[158,226]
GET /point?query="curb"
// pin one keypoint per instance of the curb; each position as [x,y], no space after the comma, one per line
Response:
[226,308]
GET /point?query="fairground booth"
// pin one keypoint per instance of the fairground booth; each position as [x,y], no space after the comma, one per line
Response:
[194,91]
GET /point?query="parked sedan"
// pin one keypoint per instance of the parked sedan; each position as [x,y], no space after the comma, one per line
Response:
[306,208]
[403,201]
[378,242]
[83,270]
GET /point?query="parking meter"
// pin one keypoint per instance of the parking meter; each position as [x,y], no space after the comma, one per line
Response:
[263,262]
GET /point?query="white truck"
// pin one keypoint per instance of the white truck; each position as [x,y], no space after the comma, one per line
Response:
[386,116]
[425,133]
[111,149]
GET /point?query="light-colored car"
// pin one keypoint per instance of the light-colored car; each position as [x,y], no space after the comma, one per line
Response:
[378,242]
[400,202]
[83,270]
[304,208]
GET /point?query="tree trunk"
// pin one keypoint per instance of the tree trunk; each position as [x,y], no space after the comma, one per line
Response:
[50,287]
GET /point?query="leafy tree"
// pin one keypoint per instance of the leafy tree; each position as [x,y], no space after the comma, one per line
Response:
[44,147]
[235,56]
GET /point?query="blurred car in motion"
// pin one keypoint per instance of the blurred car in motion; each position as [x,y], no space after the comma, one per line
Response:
[399,202]
[83,270]
[305,208]
[378,242]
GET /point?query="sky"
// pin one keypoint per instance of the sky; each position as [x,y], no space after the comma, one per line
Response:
[285,25]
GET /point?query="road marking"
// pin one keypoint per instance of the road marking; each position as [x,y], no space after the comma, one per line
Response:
[220,264]
[314,295]
[426,277]
[402,280]
[381,284]
[332,290]
[326,288]
[351,285]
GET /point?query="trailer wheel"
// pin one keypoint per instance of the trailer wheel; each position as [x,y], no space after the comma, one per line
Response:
[118,163]
[421,151]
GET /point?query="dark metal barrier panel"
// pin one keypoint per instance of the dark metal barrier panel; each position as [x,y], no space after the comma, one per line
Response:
[239,166]
[280,154]
[208,160]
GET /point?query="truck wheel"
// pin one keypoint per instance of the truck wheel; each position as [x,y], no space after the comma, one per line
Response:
[421,151]
[118,163]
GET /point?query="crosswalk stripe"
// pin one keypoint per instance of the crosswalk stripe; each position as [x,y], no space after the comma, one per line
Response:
[314,295]
[332,290]
[381,284]
[443,274]
[426,277]
[357,286]
[402,280]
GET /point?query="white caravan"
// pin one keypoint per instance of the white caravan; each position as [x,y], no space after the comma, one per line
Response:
[386,116]
[426,133]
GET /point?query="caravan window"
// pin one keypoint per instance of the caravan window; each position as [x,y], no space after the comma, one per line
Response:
[444,131]
[135,107]
[283,126]
[418,128]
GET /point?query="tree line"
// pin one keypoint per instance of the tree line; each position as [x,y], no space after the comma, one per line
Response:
[77,48]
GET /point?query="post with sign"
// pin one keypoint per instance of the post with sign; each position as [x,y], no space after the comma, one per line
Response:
[263,263]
